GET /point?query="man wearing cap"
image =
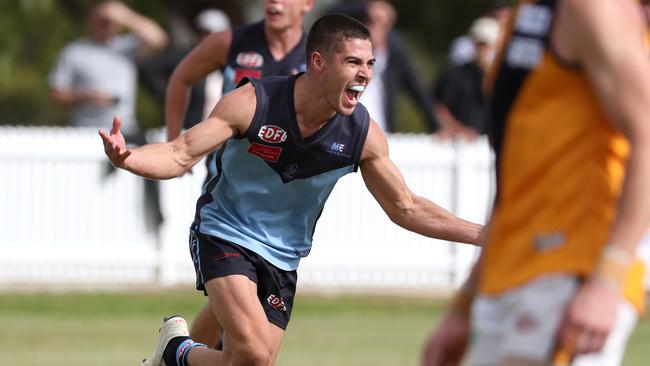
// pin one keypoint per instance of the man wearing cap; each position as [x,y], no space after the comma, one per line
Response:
[460,104]
[462,48]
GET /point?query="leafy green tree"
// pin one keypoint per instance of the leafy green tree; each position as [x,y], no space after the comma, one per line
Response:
[32,32]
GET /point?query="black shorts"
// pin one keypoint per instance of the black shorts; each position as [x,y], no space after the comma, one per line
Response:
[214,257]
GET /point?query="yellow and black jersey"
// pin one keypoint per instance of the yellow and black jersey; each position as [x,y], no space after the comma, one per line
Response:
[560,162]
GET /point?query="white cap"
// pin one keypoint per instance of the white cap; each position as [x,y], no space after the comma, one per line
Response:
[212,20]
[485,30]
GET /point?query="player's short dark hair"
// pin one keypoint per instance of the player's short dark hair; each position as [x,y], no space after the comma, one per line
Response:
[331,30]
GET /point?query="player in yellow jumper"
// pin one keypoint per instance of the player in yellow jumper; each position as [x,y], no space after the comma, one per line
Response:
[558,277]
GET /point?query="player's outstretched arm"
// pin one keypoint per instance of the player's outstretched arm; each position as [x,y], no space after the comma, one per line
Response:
[403,207]
[208,56]
[231,116]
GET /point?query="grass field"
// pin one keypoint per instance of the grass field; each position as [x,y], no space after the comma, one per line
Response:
[89,329]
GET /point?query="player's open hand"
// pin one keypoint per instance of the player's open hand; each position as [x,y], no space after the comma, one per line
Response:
[114,144]
[589,318]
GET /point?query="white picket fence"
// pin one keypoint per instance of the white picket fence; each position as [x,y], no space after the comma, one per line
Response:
[66,221]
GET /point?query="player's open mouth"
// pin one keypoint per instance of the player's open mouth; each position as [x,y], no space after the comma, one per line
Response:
[353,92]
[273,11]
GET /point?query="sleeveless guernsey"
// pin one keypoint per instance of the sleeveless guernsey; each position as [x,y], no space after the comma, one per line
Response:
[271,184]
[249,57]
[560,163]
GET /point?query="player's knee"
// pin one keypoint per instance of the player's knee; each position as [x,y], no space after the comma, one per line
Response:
[253,354]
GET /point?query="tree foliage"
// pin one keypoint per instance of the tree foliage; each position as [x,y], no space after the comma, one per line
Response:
[32,32]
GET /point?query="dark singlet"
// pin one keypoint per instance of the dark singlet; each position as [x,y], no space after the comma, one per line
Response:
[271,184]
[249,57]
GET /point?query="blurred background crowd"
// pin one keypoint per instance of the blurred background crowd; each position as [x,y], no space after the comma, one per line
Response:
[431,56]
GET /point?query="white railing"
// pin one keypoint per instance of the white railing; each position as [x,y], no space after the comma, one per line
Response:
[67,221]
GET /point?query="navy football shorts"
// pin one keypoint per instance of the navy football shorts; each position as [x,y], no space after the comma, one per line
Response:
[214,257]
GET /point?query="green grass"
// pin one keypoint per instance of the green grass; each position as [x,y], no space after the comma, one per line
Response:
[119,328]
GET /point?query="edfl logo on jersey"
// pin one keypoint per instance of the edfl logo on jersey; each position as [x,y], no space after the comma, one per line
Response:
[251,60]
[272,134]
[276,302]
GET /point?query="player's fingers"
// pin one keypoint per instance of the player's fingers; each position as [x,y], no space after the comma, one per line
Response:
[583,342]
[597,343]
[590,342]
[110,146]
[117,124]
[104,136]
[115,148]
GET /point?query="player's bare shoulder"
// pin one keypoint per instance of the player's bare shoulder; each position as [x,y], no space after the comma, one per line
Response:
[209,55]
[236,108]
[592,19]
[376,144]
[217,42]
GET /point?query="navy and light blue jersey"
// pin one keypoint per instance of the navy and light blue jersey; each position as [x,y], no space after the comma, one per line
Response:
[271,183]
[249,57]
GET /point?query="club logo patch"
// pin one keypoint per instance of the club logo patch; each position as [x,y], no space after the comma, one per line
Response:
[526,323]
[268,153]
[289,171]
[272,134]
[291,168]
[276,302]
[338,148]
[251,60]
